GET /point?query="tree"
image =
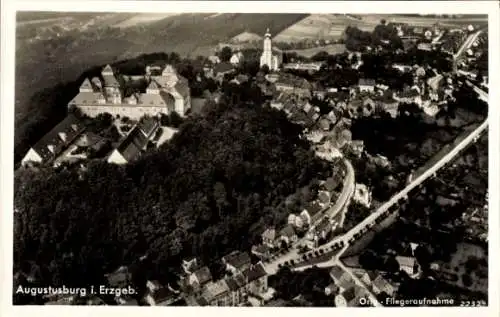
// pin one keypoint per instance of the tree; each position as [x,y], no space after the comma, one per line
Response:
[225,54]
[265,69]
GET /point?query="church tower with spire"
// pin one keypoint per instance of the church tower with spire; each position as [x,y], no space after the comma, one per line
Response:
[267,57]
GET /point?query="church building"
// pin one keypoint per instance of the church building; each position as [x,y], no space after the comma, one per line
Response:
[268,58]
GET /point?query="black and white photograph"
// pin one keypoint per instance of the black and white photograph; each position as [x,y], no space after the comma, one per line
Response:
[250,159]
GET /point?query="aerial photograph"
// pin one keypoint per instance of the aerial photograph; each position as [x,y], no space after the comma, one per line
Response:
[250,159]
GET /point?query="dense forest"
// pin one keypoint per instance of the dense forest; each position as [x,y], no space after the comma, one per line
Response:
[212,189]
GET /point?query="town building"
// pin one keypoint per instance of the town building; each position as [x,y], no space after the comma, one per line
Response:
[287,235]
[234,290]
[52,144]
[381,285]
[341,278]
[314,66]
[135,142]
[262,251]
[158,295]
[367,277]
[331,289]
[222,69]
[311,213]
[200,277]
[217,293]
[190,265]
[166,92]
[350,297]
[236,58]
[236,261]
[408,264]
[268,58]
[269,236]
[362,195]
[367,85]
[408,96]
[294,84]
[256,277]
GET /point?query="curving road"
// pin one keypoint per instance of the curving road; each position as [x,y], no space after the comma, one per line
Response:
[341,203]
[404,192]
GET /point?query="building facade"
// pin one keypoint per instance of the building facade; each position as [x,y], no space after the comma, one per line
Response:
[268,58]
[167,92]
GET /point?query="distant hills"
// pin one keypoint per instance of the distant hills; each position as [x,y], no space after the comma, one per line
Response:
[46,62]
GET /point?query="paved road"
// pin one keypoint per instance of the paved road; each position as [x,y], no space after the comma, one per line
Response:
[467,44]
[272,267]
[416,182]
[482,94]
[342,201]
[404,192]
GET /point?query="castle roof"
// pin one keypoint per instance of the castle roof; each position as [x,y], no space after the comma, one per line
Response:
[86,84]
[153,85]
[107,70]
[59,137]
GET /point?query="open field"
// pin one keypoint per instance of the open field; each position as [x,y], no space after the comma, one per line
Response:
[330,49]
[143,18]
[424,21]
[321,26]
[332,26]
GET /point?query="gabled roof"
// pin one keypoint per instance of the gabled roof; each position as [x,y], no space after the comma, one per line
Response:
[148,125]
[69,127]
[162,294]
[349,294]
[366,82]
[336,272]
[153,85]
[372,275]
[214,289]
[331,183]
[270,234]
[224,67]
[236,282]
[406,261]
[287,231]
[110,81]
[107,70]
[237,259]
[132,145]
[255,272]
[260,249]
[203,275]
[381,283]
[86,84]
[313,208]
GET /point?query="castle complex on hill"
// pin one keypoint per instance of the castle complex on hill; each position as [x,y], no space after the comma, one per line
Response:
[166,92]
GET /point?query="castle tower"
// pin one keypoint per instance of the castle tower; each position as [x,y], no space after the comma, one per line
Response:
[267,57]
